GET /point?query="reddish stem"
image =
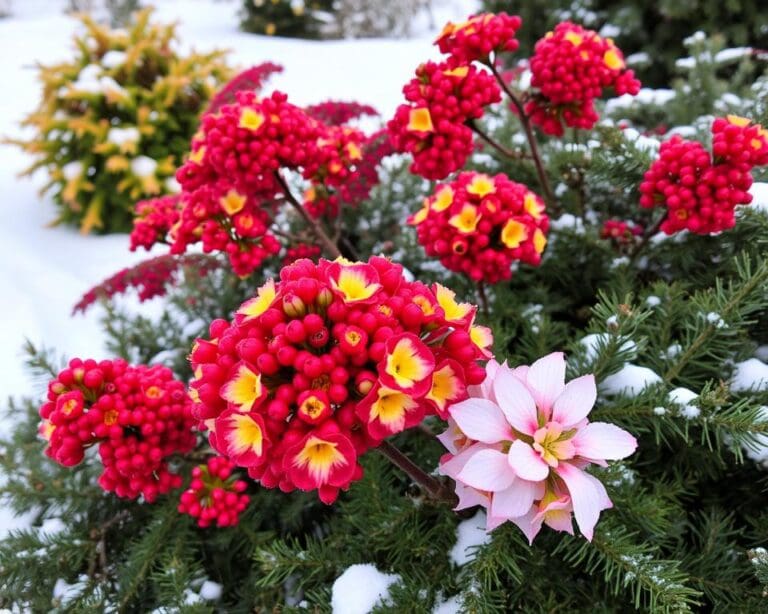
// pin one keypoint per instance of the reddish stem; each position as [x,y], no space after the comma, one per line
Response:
[434,487]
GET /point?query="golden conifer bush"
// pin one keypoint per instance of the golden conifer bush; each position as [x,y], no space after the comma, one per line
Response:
[115,120]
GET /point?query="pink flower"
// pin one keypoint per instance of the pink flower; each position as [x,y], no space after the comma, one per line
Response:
[519,446]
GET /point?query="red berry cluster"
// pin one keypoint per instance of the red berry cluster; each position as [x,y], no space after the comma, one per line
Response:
[479,36]
[154,219]
[339,152]
[570,68]
[151,278]
[620,232]
[433,125]
[300,251]
[139,416]
[214,495]
[701,191]
[232,186]
[327,362]
[478,225]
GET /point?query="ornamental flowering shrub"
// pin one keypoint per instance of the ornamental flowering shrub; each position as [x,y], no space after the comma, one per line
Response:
[570,68]
[442,98]
[115,120]
[327,362]
[214,494]
[478,225]
[701,190]
[138,415]
[519,446]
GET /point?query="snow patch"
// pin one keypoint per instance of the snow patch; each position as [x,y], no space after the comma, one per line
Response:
[759,192]
[568,221]
[211,591]
[750,374]
[660,411]
[450,606]
[360,588]
[143,166]
[630,380]
[113,58]
[120,136]
[653,301]
[469,534]
[593,342]
[683,397]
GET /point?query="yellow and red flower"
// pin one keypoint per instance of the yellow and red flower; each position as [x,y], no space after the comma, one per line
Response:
[321,459]
[242,437]
[244,390]
[408,365]
[356,283]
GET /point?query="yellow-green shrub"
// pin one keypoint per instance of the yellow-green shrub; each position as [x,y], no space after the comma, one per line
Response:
[115,121]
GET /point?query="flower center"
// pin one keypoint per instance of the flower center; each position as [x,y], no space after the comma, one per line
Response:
[554,444]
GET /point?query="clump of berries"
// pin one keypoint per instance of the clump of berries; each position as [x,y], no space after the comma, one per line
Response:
[325,363]
[432,126]
[479,225]
[138,415]
[701,190]
[621,233]
[570,68]
[479,36]
[214,494]
[233,185]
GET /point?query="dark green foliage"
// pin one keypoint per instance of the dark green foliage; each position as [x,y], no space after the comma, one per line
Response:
[656,28]
[285,18]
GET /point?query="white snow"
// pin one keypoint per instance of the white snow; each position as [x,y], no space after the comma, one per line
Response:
[683,397]
[568,221]
[470,534]
[113,58]
[72,170]
[65,592]
[734,53]
[143,166]
[211,591]
[120,136]
[758,452]
[52,526]
[449,606]
[762,352]
[673,350]
[360,588]
[612,321]
[630,380]
[660,411]
[759,192]
[593,342]
[716,319]
[750,374]
[645,96]
[653,301]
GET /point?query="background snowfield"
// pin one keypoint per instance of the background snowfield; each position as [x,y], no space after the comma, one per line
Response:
[43,270]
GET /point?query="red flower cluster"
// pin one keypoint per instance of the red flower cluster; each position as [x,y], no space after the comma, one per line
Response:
[231,183]
[327,362]
[139,416]
[153,220]
[432,126]
[478,225]
[214,495]
[338,113]
[479,36]
[570,67]
[701,191]
[620,232]
[151,278]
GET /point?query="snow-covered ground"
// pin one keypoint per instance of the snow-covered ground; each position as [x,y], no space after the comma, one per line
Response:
[43,271]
